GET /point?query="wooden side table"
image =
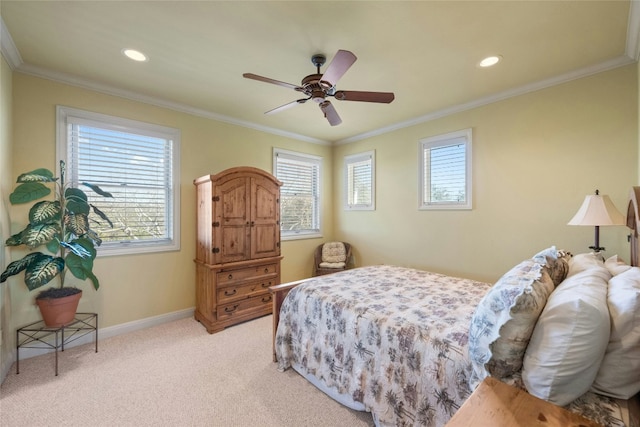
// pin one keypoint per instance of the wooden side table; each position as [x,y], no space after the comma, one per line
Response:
[496,404]
[38,335]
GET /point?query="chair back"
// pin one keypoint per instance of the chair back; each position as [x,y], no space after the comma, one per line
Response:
[331,257]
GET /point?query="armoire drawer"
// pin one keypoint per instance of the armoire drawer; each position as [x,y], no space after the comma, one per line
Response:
[239,307]
[232,276]
[235,292]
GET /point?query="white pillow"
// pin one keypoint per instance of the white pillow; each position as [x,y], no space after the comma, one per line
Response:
[581,262]
[571,335]
[619,374]
[616,265]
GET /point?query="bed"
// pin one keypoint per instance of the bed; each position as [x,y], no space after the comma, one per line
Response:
[410,346]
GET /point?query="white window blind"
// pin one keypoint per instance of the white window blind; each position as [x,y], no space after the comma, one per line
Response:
[136,163]
[299,194]
[359,179]
[446,171]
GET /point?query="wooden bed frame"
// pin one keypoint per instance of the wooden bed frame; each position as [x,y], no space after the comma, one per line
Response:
[278,294]
[633,222]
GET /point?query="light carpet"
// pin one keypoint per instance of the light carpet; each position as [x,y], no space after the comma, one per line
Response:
[175,374]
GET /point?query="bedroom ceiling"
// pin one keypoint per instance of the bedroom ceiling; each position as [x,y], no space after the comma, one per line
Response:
[426,52]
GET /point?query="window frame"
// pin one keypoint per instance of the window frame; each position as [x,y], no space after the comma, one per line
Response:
[105,121]
[316,161]
[452,138]
[357,158]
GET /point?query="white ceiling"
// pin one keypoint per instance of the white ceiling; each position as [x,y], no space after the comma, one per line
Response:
[426,52]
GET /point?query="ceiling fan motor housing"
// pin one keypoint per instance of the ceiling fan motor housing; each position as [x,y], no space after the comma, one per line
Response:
[314,87]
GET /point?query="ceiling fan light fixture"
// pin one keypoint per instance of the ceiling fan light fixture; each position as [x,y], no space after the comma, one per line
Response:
[318,96]
[135,55]
[490,61]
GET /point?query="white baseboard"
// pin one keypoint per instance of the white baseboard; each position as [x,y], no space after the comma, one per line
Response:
[109,332]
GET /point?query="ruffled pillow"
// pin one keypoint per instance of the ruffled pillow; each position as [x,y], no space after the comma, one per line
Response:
[505,317]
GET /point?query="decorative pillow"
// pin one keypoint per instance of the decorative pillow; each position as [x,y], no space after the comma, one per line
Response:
[505,317]
[333,252]
[619,374]
[571,335]
[556,263]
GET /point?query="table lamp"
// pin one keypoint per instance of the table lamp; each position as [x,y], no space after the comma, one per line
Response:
[597,210]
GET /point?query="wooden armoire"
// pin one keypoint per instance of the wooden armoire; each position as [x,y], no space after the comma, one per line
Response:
[238,246]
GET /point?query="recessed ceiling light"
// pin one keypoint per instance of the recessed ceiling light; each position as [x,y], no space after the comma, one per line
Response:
[136,55]
[490,61]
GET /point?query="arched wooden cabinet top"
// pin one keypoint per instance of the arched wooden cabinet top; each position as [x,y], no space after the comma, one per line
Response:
[238,171]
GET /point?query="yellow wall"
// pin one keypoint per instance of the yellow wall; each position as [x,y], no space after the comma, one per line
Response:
[5,188]
[535,158]
[141,286]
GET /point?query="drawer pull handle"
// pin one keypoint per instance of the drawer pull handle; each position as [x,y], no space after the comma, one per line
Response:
[266,270]
[230,276]
[266,299]
[229,293]
[266,285]
[230,309]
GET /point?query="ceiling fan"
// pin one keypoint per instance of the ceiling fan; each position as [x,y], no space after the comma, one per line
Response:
[318,87]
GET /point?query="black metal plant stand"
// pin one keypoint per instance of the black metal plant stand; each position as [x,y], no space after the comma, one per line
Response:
[35,335]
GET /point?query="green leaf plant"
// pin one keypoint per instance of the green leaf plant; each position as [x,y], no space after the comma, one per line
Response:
[61,225]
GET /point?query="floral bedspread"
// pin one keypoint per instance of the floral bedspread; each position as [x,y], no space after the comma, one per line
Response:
[394,339]
[391,338]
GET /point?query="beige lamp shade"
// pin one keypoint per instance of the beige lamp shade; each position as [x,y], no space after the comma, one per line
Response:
[597,210]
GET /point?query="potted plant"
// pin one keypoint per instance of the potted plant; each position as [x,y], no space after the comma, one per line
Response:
[62,225]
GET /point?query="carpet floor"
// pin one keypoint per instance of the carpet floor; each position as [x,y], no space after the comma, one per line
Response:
[175,374]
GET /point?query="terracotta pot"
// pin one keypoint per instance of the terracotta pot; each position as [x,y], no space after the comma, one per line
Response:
[58,312]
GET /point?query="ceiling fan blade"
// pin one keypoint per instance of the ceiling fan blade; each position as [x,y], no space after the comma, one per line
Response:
[287,105]
[354,95]
[272,81]
[338,66]
[330,113]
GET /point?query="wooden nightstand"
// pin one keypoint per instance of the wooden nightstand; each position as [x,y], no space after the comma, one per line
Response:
[496,404]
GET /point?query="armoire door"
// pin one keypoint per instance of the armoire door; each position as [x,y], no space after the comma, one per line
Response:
[231,226]
[265,218]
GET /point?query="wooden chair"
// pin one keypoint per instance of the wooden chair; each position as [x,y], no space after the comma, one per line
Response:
[336,258]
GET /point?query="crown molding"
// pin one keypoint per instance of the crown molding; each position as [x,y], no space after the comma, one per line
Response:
[8,48]
[633,31]
[532,87]
[114,91]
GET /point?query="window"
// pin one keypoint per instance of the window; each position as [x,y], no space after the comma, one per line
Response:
[359,175]
[445,171]
[299,194]
[138,163]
